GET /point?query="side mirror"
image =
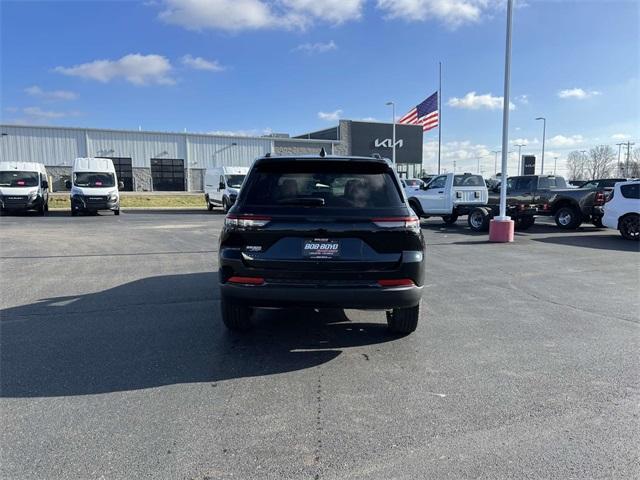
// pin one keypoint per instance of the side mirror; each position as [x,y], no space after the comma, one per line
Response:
[423,187]
[45,184]
[120,185]
[221,186]
[67,184]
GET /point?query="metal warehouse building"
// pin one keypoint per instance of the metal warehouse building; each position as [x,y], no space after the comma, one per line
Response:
[162,161]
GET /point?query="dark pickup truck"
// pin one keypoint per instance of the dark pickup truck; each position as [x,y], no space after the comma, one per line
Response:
[533,195]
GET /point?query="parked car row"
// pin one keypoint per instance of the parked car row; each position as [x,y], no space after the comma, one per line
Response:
[94,186]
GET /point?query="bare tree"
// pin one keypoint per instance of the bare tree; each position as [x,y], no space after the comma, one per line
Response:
[576,166]
[634,164]
[600,162]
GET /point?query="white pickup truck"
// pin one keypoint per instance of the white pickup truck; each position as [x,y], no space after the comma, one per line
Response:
[449,196]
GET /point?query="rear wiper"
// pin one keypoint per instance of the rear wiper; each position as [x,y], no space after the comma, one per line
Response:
[309,201]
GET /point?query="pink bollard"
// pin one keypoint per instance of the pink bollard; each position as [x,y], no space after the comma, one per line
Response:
[501,230]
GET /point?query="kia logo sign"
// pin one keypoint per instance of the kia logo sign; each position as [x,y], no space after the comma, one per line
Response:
[387,143]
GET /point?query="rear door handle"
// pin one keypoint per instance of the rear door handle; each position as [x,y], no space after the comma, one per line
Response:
[441,191]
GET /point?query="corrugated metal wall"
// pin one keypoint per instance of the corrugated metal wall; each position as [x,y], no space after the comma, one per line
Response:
[59,146]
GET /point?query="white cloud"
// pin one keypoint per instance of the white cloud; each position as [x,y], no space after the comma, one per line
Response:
[369,119]
[40,114]
[620,136]
[578,93]
[330,116]
[453,13]
[523,141]
[135,68]
[36,91]
[319,47]
[523,99]
[563,141]
[199,63]
[237,15]
[472,101]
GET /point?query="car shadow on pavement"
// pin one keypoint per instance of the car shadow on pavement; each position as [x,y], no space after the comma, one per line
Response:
[172,211]
[158,331]
[601,242]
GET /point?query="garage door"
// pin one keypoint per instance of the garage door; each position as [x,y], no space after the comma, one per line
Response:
[124,172]
[167,174]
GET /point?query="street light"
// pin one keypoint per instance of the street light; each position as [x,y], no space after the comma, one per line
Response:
[555,164]
[495,162]
[220,150]
[393,121]
[620,164]
[520,145]
[544,131]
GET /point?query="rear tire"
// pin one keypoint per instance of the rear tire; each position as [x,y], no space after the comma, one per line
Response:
[403,320]
[235,316]
[597,222]
[41,210]
[568,218]
[116,212]
[478,219]
[225,205]
[209,206]
[629,227]
[415,206]
[74,213]
[450,219]
[524,222]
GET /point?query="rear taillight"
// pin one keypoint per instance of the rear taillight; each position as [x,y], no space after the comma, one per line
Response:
[246,221]
[410,223]
[599,199]
[246,280]
[395,282]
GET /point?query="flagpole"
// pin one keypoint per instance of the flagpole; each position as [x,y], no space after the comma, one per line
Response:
[439,112]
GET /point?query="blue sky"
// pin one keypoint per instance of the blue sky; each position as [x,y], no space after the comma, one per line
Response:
[256,66]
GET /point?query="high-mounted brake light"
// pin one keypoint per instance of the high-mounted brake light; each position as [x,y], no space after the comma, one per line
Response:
[246,280]
[395,282]
[398,222]
[246,221]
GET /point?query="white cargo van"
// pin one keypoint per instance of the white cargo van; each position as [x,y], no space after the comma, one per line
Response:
[94,186]
[222,185]
[24,186]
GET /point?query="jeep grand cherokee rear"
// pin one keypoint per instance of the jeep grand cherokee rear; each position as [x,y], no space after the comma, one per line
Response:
[321,232]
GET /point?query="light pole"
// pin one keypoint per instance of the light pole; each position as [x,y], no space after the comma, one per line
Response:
[495,162]
[619,151]
[555,164]
[520,145]
[544,132]
[220,150]
[393,121]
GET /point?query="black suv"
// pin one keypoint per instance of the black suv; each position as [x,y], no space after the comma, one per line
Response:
[323,232]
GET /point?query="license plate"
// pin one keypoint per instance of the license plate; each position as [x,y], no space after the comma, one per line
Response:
[321,248]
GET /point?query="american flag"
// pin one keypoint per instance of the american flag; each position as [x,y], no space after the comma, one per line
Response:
[425,114]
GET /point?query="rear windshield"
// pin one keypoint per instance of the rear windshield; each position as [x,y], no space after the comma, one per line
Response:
[468,181]
[18,179]
[322,184]
[94,179]
[413,183]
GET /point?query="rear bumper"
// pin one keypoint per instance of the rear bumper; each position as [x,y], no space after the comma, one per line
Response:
[364,297]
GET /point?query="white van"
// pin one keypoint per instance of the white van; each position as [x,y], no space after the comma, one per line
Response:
[222,185]
[94,186]
[24,186]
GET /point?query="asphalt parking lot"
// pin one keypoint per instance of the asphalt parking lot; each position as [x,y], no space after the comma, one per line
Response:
[115,364]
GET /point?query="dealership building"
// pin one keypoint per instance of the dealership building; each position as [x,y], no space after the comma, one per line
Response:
[168,161]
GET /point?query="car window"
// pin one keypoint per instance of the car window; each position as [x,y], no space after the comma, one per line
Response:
[468,181]
[630,191]
[438,182]
[330,184]
[94,179]
[592,184]
[525,184]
